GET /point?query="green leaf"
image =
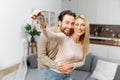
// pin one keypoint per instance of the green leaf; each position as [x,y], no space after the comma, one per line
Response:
[31,31]
[28,27]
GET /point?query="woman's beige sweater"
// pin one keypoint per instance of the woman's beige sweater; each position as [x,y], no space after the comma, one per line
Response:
[69,51]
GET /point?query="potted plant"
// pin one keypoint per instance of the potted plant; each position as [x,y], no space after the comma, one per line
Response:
[32,31]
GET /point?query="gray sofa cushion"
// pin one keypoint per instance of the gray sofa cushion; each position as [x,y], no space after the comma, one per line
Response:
[95,59]
[32,61]
[87,65]
[117,76]
[90,78]
[80,75]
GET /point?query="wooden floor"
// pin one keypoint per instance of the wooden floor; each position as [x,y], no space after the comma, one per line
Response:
[8,70]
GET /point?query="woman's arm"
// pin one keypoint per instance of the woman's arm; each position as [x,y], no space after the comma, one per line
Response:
[78,64]
[73,65]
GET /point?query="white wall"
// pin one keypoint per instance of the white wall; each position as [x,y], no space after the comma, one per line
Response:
[70,5]
[14,14]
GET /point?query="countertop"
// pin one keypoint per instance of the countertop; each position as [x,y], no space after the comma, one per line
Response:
[104,41]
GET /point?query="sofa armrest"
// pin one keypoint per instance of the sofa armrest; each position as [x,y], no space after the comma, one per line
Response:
[32,61]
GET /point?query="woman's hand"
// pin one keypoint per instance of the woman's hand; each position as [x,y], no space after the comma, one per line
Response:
[42,22]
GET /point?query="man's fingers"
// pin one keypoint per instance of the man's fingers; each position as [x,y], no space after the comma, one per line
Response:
[33,17]
[35,14]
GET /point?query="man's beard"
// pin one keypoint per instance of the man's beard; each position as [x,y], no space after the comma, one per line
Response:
[66,33]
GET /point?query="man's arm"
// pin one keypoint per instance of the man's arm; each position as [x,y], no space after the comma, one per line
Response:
[58,37]
[42,53]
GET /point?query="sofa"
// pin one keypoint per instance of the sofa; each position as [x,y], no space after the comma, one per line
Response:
[81,73]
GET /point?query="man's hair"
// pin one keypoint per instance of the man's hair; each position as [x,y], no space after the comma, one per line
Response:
[66,12]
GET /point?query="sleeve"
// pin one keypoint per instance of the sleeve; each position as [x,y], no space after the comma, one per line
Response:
[42,53]
[52,35]
[80,63]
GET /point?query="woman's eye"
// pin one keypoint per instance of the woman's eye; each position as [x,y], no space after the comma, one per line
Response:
[76,24]
[82,24]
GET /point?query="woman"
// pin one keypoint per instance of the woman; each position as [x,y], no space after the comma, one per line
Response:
[72,49]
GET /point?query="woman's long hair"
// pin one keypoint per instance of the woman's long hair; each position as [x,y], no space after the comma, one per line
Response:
[85,37]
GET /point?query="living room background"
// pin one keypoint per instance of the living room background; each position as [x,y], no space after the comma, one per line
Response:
[14,15]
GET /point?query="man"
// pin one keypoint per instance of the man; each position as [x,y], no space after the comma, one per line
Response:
[47,49]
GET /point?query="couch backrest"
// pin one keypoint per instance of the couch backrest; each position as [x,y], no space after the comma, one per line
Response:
[88,63]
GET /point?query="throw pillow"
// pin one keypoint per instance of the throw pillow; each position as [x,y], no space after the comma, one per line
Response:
[96,58]
[104,70]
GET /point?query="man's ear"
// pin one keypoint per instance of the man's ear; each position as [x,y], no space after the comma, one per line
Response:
[59,23]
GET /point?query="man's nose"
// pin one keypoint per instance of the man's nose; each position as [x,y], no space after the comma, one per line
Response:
[70,26]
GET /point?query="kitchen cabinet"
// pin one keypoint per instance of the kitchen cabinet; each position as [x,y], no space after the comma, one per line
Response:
[101,11]
[82,8]
[70,5]
[114,52]
[92,11]
[108,12]
[97,11]
[105,51]
[89,9]
[99,50]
